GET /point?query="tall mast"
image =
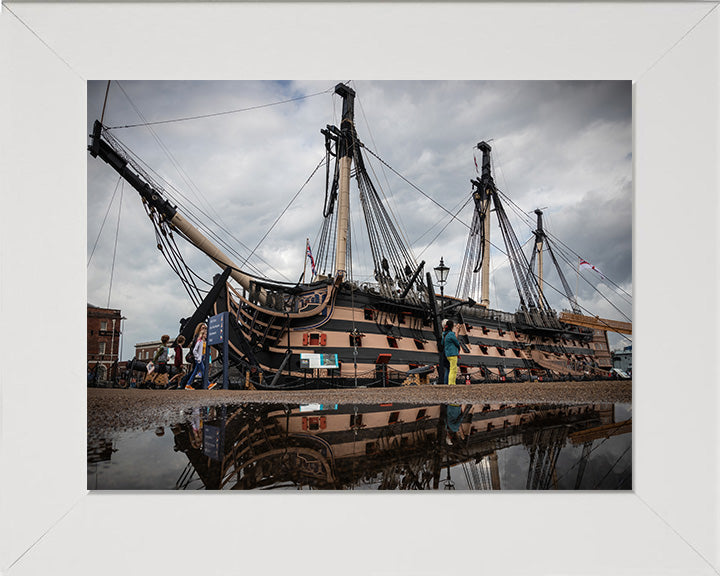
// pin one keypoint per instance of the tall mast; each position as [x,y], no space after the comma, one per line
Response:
[539,236]
[486,188]
[346,144]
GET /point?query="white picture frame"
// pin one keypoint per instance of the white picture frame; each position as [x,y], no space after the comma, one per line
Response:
[51,524]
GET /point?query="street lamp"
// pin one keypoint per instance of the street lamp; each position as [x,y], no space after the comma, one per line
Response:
[441,273]
[120,352]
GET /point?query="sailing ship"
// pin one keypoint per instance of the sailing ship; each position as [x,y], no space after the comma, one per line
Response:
[333,332]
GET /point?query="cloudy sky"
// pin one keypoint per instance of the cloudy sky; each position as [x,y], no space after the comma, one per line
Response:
[565,147]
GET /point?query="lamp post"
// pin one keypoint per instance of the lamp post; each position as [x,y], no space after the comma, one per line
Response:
[441,273]
[120,351]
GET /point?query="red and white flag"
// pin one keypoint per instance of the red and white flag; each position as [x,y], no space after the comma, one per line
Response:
[308,253]
[586,264]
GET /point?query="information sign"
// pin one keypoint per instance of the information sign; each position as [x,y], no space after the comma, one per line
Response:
[216,329]
[311,361]
[218,334]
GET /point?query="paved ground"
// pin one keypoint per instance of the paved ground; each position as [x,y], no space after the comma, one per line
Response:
[114,409]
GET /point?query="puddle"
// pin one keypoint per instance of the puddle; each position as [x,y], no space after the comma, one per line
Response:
[373,447]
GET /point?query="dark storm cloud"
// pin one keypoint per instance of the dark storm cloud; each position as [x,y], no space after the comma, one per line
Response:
[562,146]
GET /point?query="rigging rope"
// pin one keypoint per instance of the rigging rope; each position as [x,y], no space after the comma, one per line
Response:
[414,186]
[136,163]
[225,113]
[611,468]
[120,179]
[387,181]
[283,212]
[191,185]
[550,235]
[444,227]
[117,233]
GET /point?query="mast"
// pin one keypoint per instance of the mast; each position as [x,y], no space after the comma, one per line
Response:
[539,235]
[99,147]
[346,143]
[485,189]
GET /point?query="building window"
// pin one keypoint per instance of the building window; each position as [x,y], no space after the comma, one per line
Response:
[101,346]
[103,324]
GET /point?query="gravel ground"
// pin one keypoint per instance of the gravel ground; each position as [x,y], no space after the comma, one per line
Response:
[113,409]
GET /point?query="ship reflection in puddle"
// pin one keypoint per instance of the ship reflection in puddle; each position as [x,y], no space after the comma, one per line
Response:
[393,446]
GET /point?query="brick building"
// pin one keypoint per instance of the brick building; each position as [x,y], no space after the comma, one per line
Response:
[104,329]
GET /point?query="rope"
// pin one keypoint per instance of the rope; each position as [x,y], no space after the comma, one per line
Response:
[416,188]
[555,238]
[611,467]
[139,166]
[120,179]
[454,217]
[283,212]
[214,114]
[117,232]
[191,185]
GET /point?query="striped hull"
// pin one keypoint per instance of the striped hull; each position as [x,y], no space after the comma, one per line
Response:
[379,342]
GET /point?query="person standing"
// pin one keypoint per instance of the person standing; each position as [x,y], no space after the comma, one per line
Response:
[191,357]
[160,358]
[199,357]
[451,347]
[177,360]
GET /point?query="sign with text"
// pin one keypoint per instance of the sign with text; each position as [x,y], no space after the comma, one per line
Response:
[217,329]
[218,334]
[318,361]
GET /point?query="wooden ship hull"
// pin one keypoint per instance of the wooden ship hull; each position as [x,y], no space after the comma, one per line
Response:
[379,343]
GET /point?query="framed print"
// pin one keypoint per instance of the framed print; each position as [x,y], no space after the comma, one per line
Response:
[50,522]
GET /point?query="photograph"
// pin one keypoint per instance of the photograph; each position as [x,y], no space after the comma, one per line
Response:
[456,256]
